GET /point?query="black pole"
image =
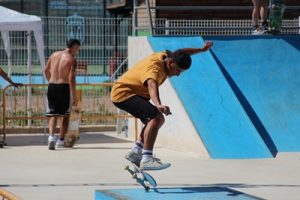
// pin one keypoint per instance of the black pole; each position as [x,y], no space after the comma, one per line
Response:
[46,7]
[67,6]
[22,6]
[104,42]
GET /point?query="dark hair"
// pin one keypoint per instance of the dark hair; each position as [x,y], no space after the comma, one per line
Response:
[181,58]
[73,42]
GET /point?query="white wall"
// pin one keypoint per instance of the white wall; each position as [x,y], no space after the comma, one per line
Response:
[178,132]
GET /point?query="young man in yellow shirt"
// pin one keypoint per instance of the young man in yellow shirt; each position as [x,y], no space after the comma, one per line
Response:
[137,86]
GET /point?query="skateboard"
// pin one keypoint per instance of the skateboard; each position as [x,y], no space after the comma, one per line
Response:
[277,8]
[141,177]
[73,131]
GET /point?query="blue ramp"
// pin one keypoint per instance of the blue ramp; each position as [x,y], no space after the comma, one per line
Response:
[188,193]
[212,106]
[266,71]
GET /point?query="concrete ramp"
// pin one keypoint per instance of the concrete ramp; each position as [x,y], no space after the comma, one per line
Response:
[212,106]
[264,73]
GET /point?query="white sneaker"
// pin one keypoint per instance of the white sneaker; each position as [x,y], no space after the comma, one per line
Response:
[257,32]
[51,142]
[59,144]
[134,157]
[153,164]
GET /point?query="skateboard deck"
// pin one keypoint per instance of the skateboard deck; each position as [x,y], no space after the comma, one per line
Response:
[277,8]
[141,177]
[73,131]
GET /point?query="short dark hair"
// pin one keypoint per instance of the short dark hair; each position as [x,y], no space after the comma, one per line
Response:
[181,58]
[73,42]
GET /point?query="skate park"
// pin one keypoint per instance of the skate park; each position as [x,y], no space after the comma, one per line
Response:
[233,132]
[265,154]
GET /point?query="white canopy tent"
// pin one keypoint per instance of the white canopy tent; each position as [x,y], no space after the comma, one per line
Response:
[11,20]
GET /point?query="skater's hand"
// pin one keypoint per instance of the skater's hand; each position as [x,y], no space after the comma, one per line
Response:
[208,45]
[164,109]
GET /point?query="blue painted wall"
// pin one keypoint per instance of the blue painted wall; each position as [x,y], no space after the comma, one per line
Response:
[265,72]
[214,109]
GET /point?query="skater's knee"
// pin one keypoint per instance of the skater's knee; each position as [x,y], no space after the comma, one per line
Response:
[159,120]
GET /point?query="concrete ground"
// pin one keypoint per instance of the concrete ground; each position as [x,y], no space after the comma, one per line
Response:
[29,170]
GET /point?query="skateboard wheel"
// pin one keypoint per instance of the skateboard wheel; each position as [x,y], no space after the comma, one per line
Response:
[126,167]
[273,5]
[134,176]
[147,188]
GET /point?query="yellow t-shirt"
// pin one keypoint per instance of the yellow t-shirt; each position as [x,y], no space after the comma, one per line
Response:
[133,82]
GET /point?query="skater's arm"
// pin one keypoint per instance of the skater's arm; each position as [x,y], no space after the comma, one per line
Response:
[5,77]
[153,91]
[154,95]
[192,51]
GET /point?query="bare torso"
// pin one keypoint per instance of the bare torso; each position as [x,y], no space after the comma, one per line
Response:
[61,63]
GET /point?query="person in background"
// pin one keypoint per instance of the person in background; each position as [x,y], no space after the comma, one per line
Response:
[5,77]
[260,10]
[60,72]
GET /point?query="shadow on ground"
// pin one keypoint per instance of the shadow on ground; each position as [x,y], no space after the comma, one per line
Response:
[41,140]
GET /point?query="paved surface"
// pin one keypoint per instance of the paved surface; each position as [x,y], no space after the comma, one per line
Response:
[32,172]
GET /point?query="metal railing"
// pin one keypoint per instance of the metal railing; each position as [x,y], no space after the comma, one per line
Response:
[216,27]
[175,27]
[25,107]
[6,195]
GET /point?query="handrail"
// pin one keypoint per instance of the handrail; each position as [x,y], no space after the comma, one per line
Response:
[8,195]
[112,77]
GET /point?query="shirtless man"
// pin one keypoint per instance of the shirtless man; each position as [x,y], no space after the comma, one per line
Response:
[60,73]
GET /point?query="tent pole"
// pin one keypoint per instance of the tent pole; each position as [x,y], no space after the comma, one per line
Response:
[29,101]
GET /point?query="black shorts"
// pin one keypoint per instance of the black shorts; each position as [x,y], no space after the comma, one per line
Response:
[138,107]
[58,99]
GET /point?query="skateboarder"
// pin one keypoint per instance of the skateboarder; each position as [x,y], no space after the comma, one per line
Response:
[137,86]
[260,9]
[60,73]
[5,77]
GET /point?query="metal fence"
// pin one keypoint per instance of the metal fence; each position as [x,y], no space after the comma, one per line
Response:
[25,107]
[103,49]
[208,27]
